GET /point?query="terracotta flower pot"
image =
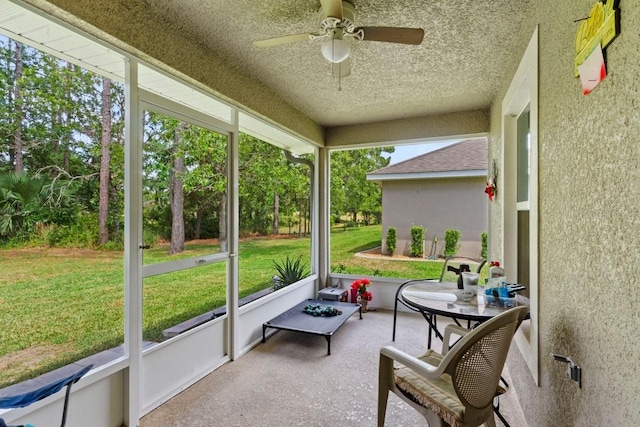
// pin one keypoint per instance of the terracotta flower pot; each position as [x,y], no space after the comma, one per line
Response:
[364,303]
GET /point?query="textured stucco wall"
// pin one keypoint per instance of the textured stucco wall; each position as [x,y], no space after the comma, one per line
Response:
[460,124]
[132,27]
[436,204]
[589,224]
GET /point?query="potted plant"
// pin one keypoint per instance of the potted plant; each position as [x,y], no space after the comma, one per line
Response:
[361,293]
[289,271]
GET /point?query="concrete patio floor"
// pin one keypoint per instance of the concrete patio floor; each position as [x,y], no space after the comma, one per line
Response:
[290,381]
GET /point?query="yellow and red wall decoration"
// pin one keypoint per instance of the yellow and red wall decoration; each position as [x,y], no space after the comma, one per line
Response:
[594,34]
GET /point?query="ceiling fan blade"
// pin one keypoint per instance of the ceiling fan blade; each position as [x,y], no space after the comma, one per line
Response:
[393,34]
[283,40]
[332,8]
[342,69]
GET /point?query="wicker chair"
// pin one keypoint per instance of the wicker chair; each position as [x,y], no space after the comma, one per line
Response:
[455,388]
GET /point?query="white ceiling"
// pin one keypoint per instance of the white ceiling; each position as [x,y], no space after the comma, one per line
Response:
[456,68]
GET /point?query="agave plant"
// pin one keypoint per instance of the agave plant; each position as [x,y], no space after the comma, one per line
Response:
[289,271]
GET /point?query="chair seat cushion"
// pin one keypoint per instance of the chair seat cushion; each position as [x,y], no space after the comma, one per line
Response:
[437,395]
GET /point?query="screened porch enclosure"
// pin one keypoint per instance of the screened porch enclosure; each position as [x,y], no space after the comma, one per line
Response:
[154,368]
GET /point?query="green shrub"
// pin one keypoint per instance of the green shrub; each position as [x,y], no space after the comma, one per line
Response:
[417,239]
[81,234]
[41,235]
[149,237]
[112,245]
[451,238]
[289,271]
[391,240]
[484,253]
[340,268]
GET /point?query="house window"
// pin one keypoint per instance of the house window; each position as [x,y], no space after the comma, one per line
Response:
[523,150]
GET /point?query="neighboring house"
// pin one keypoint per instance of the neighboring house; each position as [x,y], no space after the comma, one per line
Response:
[437,190]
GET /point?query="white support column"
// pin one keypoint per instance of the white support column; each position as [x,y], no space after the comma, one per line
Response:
[323,211]
[233,215]
[132,248]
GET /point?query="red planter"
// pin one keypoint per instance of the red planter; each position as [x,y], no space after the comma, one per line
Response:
[354,296]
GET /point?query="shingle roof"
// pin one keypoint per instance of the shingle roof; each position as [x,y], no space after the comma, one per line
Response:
[467,155]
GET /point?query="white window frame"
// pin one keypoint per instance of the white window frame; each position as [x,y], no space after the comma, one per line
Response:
[522,92]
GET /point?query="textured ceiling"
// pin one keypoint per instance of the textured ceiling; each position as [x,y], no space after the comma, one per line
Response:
[456,68]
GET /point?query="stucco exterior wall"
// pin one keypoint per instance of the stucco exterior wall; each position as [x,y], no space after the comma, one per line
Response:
[460,124]
[589,224]
[435,204]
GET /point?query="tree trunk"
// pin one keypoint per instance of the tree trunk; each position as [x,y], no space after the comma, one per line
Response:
[176,196]
[196,231]
[105,160]
[304,218]
[307,215]
[300,210]
[276,214]
[17,97]
[67,123]
[222,224]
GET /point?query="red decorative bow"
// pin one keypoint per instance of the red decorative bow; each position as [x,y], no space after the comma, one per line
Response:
[489,189]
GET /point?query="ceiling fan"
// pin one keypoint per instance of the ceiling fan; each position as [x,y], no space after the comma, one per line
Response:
[337,23]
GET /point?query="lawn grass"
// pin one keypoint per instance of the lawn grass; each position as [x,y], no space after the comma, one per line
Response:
[345,243]
[59,305]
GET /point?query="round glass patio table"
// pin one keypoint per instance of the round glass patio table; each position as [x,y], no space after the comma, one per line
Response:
[433,299]
[443,299]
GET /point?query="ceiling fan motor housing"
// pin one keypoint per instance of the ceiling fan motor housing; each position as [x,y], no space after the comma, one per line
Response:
[348,19]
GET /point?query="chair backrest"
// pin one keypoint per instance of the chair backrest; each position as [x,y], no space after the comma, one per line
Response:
[477,360]
[482,263]
[444,267]
[26,398]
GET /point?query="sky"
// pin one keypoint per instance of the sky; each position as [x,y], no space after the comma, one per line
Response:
[404,152]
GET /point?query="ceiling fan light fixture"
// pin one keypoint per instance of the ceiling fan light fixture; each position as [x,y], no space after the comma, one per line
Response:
[335,50]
